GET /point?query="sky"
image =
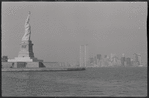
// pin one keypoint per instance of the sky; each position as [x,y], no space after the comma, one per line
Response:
[59,28]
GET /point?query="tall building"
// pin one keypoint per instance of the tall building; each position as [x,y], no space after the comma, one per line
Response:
[139,59]
[99,56]
[123,60]
[116,61]
[91,60]
[135,55]
[95,60]
[99,60]
[105,56]
[123,55]
[135,59]
[128,61]
[105,62]
[83,55]
[112,56]
[132,62]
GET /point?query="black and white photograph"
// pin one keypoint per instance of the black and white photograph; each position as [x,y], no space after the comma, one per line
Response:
[74,49]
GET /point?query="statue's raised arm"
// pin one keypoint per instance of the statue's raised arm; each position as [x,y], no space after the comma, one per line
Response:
[28,18]
[27,34]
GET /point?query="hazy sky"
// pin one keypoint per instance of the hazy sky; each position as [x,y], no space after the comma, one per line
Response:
[59,28]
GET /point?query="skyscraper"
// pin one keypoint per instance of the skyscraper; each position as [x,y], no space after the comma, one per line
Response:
[91,60]
[105,62]
[135,58]
[111,58]
[128,61]
[95,60]
[139,59]
[132,62]
[83,55]
[123,60]
[99,59]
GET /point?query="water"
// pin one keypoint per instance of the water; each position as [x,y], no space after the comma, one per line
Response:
[91,82]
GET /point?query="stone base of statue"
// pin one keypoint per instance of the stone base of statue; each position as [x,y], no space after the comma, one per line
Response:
[24,59]
[27,65]
[26,49]
[26,56]
[26,53]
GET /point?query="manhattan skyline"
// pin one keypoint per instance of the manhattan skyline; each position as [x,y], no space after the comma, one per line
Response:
[58,29]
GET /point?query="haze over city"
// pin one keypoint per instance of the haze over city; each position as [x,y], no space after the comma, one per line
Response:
[58,29]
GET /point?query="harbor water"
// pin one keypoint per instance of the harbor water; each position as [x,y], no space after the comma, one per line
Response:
[119,81]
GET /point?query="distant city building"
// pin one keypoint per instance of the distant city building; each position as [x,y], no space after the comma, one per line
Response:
[139,59]
[135,60]
[132,62]
[116,61]
[112,56]
[4,59]
[91,60]
[123,55]
[135,57]
[95,60]
[99,57]
[125,63]
[122,61]
[105,56]
[105,61]
[113,60]
[128,61]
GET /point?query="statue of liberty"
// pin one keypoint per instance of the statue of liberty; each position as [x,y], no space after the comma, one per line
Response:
[27,34]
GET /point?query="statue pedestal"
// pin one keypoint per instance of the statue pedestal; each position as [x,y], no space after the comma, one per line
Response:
[28,65]
[26,53]
[26,49]
[24,59]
